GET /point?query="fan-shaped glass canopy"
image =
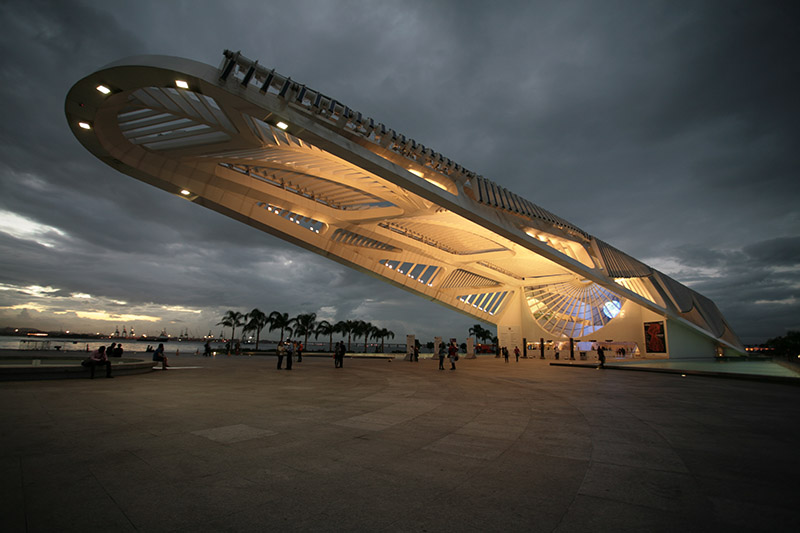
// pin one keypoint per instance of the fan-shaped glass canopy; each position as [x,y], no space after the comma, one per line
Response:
[574,308]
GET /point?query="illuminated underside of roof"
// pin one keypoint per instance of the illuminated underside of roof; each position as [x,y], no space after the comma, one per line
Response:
[261,148]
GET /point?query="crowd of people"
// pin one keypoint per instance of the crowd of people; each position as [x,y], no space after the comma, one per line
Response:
[293,351]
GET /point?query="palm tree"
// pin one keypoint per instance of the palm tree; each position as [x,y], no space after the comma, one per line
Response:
[345,327]
[381,334]
[303,324]
[362,329]
[325,328]
[232,319]
[256,321]
[480,333]
[279,321]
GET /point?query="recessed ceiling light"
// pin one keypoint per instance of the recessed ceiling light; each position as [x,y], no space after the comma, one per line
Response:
[85,125]
[103,89]
[282,125]
[181,84]
[185,192]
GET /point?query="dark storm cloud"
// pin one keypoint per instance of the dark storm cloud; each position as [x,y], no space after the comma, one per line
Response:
[784,251]
[665,128]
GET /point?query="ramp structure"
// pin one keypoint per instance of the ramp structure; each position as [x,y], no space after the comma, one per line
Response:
[259,147]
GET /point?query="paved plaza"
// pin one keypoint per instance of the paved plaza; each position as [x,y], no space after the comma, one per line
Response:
[232,444]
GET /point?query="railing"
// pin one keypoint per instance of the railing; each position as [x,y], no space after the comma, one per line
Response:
[248,72]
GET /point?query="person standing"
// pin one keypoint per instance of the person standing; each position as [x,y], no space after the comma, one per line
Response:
[289,354]
[99,358]
[338,355]
[505,353]
[440,349]
[300,348]
[516,353]
[601,356]
[452,354]
[416,353]
[281,351]
[158,355]
[206,350]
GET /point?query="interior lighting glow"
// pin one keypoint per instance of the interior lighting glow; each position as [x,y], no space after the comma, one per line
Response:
[185,192]
[282,125]
[434,182]
[103,89]
[85,125]
[181,84]
[417,173]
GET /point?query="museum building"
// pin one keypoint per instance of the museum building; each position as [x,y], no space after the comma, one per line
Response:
[266,150]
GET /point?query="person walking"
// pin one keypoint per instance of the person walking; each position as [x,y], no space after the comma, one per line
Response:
[505,353]
[516,353]
[206,350]
[98,358]
[300,348]
[601,356]
[452,354]
[440,350]
[416,353]
[158,356]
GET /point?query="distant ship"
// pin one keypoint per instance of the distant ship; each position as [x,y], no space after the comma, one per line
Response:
[163,337]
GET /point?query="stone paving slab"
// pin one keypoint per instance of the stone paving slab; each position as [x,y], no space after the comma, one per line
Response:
[232,444]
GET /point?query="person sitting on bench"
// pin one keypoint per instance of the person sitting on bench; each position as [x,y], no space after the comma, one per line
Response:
[98,358]
[158,355]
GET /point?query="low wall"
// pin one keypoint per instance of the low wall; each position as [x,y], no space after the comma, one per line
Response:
[25,365]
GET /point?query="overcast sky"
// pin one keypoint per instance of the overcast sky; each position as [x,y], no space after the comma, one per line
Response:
[668,129]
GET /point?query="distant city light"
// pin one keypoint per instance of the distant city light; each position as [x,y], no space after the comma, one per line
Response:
[103,89]
[181,84]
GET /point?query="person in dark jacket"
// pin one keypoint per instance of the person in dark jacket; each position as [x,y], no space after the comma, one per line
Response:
[158,356]
[98,358]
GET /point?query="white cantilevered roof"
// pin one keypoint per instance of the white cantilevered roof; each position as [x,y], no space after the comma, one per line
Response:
[255,145]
